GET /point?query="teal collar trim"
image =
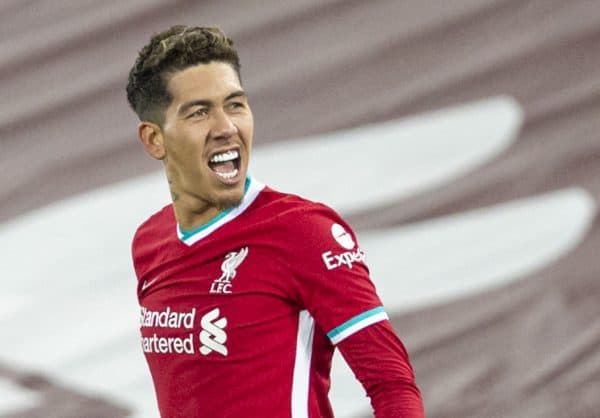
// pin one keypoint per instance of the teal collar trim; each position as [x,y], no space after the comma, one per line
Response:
[189,237]
[187,234]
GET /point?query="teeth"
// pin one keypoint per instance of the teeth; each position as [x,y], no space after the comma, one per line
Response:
[225,156]
[229,175]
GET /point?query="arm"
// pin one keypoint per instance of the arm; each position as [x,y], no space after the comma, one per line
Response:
[333,283]
[380,362]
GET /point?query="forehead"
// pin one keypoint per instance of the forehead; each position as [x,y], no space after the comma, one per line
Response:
[203,81]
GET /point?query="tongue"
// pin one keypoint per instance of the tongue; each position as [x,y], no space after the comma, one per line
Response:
[226,167]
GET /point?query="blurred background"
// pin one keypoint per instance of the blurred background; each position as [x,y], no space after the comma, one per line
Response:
[460,140]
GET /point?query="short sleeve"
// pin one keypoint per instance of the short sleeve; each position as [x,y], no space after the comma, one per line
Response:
[331,274]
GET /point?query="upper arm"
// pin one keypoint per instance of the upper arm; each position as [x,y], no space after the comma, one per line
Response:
[331,275]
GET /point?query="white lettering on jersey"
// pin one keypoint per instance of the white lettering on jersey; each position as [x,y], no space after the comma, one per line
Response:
[167,318]
[228,269]
[347,258]
[333,261]
[168,345]
[212,336]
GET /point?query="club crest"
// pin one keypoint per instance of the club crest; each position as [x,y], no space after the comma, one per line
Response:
[228,271]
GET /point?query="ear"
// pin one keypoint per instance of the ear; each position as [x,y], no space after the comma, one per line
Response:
[152,139]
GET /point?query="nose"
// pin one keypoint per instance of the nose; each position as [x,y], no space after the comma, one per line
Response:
[223,127]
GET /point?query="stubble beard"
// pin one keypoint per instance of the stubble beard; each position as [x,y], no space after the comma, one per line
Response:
[227,202]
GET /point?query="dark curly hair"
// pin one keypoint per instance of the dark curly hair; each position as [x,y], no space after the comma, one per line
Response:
[170,51]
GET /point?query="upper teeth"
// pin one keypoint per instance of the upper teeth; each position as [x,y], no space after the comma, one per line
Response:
[225,156]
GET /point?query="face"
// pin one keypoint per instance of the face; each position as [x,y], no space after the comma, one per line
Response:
[207,136]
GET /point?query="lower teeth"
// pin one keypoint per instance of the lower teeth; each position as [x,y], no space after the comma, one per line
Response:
[229,175]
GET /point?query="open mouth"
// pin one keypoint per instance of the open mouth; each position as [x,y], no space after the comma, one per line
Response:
[225,165]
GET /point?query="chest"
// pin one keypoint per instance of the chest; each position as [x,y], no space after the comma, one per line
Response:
[217,302]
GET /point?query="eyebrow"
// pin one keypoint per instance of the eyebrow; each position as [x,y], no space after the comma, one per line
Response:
[204,102]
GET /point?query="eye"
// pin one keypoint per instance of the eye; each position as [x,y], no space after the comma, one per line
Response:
[203,111]
[235,105]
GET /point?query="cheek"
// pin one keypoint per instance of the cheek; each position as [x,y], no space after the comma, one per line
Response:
[246,128]
[187,156]
[189,142]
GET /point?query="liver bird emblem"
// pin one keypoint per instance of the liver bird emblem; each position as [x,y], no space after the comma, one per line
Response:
[231,263]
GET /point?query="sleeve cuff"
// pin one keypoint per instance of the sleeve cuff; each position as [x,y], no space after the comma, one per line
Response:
[357,323]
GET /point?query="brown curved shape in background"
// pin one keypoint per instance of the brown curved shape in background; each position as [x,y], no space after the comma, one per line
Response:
[529,349]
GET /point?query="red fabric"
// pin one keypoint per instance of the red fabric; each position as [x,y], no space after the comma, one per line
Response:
[380,362]
[225,345]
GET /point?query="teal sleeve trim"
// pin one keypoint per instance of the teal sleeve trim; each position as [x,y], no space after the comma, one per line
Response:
[358,318]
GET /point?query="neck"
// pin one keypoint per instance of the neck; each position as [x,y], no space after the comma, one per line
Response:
[191,215]
[190,212]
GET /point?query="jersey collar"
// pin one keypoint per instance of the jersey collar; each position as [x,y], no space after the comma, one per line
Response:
[251,190]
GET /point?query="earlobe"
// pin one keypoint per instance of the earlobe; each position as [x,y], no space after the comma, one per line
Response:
[152,139]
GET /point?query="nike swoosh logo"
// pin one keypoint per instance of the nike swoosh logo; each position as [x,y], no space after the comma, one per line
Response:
[148,283]
[455,241]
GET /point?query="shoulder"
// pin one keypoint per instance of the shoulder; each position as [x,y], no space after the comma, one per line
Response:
[303,220]
[161,220]
[295,210]
[151,234]
[315,240]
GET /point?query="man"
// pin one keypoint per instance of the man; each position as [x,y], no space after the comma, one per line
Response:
[245,291]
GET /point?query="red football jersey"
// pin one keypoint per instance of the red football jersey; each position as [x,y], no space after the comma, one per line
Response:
[239,318]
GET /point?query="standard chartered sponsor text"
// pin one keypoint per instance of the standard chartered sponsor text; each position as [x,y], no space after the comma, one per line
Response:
[168,318]
[164,345]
